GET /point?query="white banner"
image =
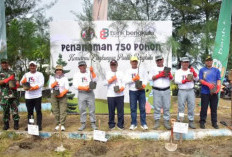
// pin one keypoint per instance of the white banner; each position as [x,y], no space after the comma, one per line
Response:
[103,41]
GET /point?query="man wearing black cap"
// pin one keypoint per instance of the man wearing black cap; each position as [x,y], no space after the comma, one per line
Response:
[211,83]
[9,97]
[185,78]
[161,92]
[115,95]
[86,97]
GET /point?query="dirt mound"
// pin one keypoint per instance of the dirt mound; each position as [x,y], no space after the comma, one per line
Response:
[93,149]
[25,145]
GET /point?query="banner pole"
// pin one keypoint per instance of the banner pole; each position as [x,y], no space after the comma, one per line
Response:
[3,45]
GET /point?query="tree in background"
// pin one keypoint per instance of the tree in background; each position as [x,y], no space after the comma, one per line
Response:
[27,34]
[194,23]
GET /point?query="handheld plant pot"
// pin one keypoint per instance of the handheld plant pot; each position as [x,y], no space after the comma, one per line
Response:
[138,84]
[92,85]
[116,89]
[26,86]
[166,71]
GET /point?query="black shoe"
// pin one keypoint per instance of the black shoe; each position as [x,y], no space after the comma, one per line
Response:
[6,126]
[26,129]
[215,126]
[16,125]
[202,125]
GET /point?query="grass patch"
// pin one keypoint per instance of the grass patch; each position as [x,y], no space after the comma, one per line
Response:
[9,135]
[116,138]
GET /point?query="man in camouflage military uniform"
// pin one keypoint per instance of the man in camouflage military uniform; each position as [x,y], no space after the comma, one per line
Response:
[9,99]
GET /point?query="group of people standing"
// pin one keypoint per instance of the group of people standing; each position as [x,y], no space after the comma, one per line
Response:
[134,79]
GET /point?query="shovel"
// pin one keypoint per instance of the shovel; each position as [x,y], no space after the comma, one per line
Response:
[171,146]
[181,135]
[224,123]
[61,147]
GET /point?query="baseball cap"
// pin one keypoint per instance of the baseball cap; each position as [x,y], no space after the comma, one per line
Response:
[60,67]
[208,58]
[81,63]
[4,60]
[113,62]
[158,57]
[32,62]
[185,59]
[134,58]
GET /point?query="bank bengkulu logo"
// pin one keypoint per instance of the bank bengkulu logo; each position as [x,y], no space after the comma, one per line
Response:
[104,33]
[217,64]
[87,33]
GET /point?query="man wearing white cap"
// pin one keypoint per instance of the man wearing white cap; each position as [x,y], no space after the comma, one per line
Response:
[33,96]
[86,97]
[185,78]
[137,93]
[115,95]
[161,92]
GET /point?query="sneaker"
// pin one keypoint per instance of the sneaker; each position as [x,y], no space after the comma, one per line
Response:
[157,124]
[82,127]
[167,125]
[215,126]
[133,127]
[112,128]
[94,127]
[120,128]
[191,124]
[57,128]
[202,125]
[62,128]
[144,127]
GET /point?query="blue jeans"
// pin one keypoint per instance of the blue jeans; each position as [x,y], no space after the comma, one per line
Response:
[134,97]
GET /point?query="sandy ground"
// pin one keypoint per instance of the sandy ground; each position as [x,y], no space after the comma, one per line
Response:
[116,147]
[73,121]
[17,145]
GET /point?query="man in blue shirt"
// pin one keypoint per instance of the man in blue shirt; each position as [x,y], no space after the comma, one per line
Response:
[211,83]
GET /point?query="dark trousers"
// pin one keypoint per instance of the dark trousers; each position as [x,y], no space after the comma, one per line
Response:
[116,102]
[31,104]
[212,101]
[141,98]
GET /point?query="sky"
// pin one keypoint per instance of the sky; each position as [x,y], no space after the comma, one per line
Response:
[62,9]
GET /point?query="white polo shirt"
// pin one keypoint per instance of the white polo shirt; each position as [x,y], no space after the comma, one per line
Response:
[162,82]
[82,79]
[62,83]
[181,75]
[131,73]
[119,82]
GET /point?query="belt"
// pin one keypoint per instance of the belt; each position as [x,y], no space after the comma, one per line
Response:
[161,89]
[186,89]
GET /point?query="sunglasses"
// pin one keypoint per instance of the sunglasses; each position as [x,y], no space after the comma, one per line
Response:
[159,60]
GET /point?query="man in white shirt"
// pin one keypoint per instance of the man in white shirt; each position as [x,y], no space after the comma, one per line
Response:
[115,95]
[33,96]
[86,97]
[185,78]
[136,93]
[161,92]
